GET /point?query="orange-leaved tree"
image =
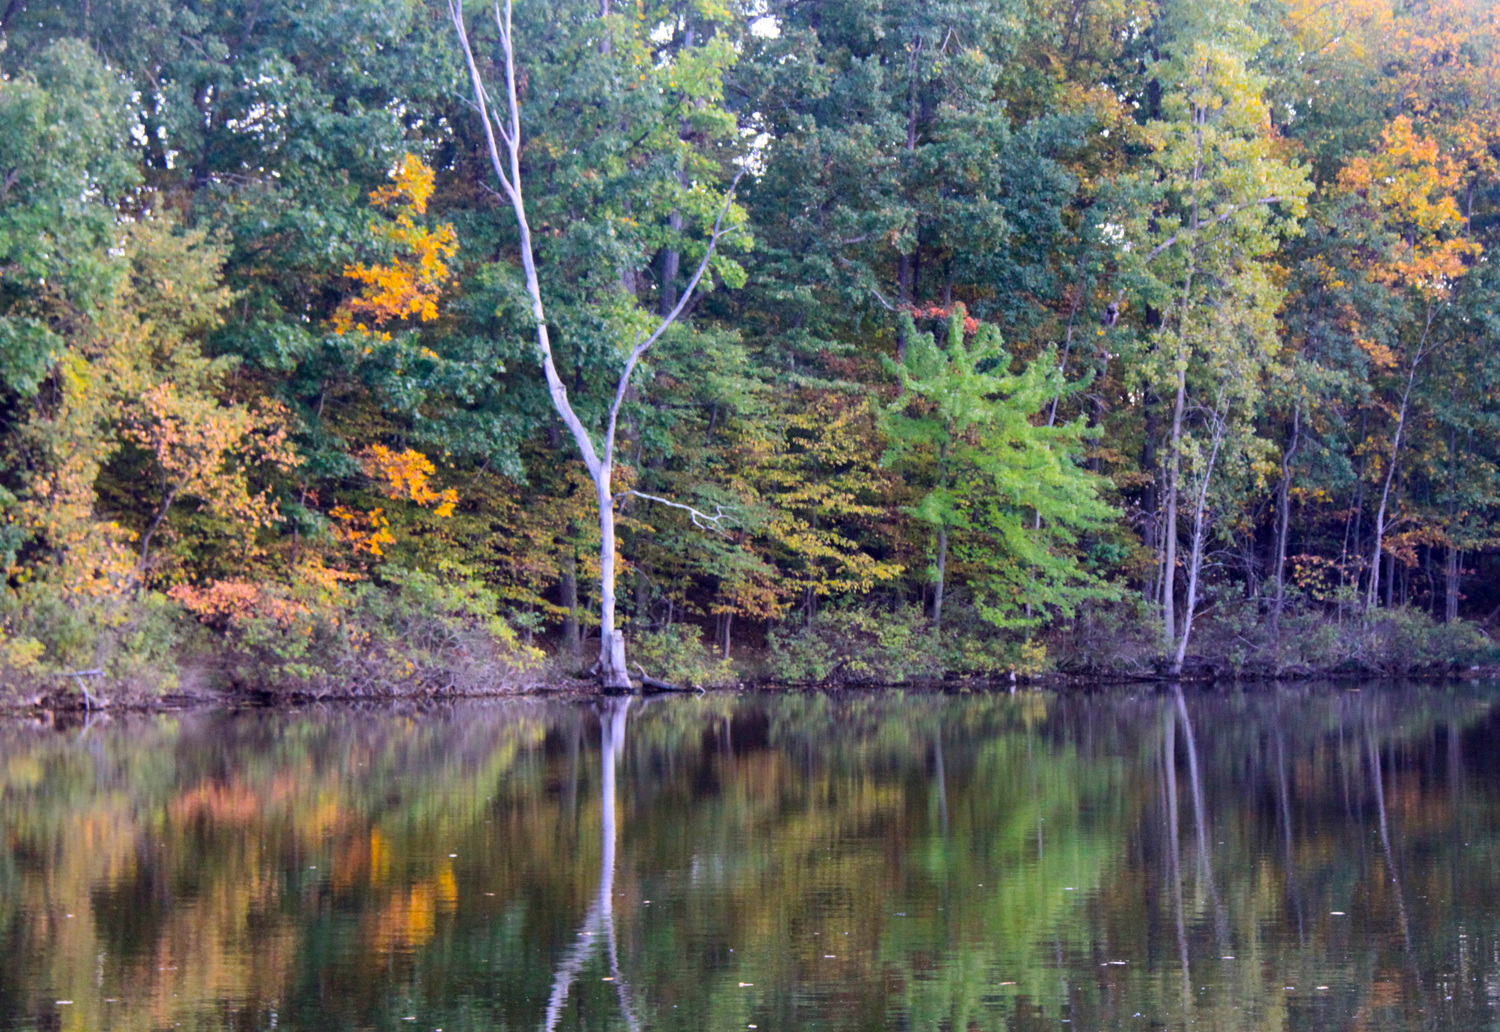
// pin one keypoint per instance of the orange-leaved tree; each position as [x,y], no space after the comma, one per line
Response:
[405,287]
[410,284]
[1408,187]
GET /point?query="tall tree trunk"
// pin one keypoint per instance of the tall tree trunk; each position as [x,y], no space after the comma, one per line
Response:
[1151,495]
[1169,520]
[940,583]
[1184,355]
[1195,561]
[1452,562]
[1390,474]
[671,267]
[504,144]
[1451,568]
[572,626]
[1283,516]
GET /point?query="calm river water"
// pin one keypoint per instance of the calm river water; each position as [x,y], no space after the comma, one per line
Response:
[1318,858]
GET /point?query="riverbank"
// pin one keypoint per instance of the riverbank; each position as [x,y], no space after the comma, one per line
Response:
[62,697]
[426,645]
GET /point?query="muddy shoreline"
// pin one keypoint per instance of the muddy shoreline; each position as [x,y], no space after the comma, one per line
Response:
[70,701]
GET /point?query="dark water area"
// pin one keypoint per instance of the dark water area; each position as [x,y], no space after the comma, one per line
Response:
[1320,858]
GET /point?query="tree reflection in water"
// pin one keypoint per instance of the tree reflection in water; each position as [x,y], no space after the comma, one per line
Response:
[599,923]
[861,861]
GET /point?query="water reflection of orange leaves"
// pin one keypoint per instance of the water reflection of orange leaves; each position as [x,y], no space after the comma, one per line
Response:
[217,802]
[380,858]
[351,862]
[408,919]
[1382,994]
[208,952]
[1416,807]
[314,813]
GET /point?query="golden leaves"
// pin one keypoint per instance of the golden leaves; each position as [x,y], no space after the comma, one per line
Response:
[363,531]
[404,475]
[201,446]
[1411,182]
[409,286]
[412,185]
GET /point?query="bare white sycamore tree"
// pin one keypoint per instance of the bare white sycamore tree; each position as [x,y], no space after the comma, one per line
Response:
[502,129]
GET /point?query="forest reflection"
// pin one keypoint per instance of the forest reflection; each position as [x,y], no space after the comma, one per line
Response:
[1309,858]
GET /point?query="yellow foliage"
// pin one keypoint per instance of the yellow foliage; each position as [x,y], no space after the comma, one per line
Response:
[410,286]
[412,184]
[1412,183]
[20,653]
[404,475]
[363,531]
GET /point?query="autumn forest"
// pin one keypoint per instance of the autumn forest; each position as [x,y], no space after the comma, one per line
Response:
[376,346]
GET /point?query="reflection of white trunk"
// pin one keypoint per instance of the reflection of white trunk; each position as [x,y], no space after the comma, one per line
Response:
[1377,778]
[1174,854]
[942,780]
[599,922]
[1284,807]
[1200,815]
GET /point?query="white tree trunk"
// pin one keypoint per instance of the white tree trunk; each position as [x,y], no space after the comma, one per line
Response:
[503,137]
[1200,532]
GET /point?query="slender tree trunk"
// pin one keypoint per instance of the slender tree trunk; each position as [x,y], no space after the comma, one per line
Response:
[1372,596]
[1195,561]
[1452,561]
[572,626]
[1151,496]
[1283,516]
[502,130]
[1169,521]
[1451,567]
[942,576]
[156,522]
[671,267]
[1174,459]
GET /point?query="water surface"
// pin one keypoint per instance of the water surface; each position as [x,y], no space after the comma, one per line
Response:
[1311,859]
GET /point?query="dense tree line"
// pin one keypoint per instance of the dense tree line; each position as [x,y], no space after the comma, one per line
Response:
[1115,330]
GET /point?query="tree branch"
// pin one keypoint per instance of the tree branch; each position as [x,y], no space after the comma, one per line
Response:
[510,179]
[881,298]
[701,519]
[1222,217]
[482,98]
[642,346]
